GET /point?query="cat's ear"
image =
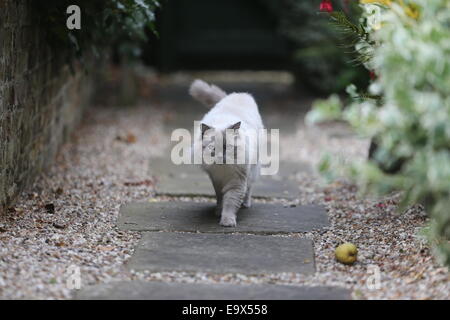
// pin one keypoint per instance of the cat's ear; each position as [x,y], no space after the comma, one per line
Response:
[235,126]
[204,128]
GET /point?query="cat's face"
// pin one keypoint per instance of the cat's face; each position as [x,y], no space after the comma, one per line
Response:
[220,145]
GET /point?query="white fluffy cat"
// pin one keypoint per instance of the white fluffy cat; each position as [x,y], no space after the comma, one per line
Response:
[239,113]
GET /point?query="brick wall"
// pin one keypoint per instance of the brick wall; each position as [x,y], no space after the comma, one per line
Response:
[41,100]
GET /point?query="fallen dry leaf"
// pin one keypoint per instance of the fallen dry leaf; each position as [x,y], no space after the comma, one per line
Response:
[129,138]
[146,182]
[104,248]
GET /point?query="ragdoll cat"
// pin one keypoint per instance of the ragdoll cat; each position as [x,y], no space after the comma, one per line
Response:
[237,112]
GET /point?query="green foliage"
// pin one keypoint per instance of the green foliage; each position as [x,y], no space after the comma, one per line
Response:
[318,57]
[411,123]
[324,110]
[357,38]
[103,22]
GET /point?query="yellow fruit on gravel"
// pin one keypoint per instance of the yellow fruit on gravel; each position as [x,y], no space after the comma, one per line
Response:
[346,253]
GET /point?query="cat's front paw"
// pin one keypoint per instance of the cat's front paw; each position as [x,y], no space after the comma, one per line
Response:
[228,221]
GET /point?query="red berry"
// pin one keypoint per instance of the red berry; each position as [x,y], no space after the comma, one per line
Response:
[326,6]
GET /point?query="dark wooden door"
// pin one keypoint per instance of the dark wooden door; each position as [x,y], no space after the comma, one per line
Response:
[220,35]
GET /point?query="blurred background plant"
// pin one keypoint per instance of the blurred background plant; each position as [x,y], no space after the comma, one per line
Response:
[114,35]
[409,122]
[122,24]
[322,59]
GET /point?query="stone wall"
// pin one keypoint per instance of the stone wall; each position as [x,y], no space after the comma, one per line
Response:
[41,100]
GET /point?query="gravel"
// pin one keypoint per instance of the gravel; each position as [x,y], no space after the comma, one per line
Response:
[66,220]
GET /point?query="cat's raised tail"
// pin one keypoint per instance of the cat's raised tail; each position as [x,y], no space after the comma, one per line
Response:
[205,93]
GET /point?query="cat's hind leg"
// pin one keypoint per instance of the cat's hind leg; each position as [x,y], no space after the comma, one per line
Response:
[219,198]
[219,205]
[247,203]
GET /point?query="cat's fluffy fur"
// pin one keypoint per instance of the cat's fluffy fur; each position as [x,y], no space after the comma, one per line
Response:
[232,182]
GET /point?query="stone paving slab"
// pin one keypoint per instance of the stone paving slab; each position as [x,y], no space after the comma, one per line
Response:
[190,180]
[261,218]
[142,290]
[222,253]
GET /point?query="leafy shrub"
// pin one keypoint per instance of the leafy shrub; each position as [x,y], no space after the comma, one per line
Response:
[319,60]
[411,120]
[103,22]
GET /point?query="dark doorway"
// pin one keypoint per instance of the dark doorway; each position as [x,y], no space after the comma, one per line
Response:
[220,35]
